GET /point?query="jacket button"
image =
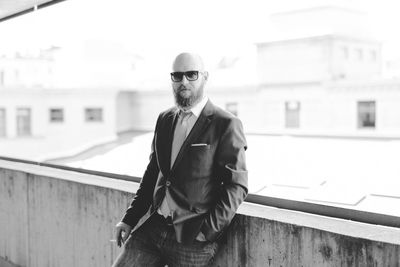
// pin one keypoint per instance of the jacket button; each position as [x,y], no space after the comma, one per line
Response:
[168,183]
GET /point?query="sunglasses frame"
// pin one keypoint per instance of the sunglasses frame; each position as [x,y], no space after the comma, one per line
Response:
[185,73]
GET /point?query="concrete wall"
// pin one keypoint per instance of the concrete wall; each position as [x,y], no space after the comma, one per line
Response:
[52,222]
[147,106]
[51,217]
[124,115]
[294,61]
[259,242]
[325,108]
[319,58]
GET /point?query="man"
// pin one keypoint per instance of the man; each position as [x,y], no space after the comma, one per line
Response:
[194,183]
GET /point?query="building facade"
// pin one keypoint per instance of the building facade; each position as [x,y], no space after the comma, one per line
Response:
[44,121]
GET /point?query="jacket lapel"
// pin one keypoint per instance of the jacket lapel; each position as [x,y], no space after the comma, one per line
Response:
[167,135]
[198,128]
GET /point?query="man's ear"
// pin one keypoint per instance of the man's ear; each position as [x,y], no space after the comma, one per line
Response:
[205,75]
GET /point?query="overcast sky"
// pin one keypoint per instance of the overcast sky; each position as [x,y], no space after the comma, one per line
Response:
[206,26]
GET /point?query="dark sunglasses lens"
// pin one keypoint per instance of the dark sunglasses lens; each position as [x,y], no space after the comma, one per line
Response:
[192,75]
[177,76]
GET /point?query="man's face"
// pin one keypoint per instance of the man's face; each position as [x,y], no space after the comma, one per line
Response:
[188,93]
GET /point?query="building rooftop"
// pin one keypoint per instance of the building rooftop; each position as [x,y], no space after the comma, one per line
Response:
[347,172]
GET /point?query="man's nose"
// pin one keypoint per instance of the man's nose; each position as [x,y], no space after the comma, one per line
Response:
[184,80]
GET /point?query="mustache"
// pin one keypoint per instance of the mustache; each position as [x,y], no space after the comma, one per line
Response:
[182,87]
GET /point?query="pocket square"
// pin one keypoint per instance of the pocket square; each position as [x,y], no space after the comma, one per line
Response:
[199,145]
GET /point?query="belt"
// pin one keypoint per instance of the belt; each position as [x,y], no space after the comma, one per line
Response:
[165,220]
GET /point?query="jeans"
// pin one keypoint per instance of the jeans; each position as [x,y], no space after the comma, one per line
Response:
[154,244]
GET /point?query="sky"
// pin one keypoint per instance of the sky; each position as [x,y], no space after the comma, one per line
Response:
[158,30]
[160,27]
[141,25]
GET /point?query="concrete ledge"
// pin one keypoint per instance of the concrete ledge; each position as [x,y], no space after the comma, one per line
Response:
[339,226]
[72,176]
[5,263]
[330,224]
[53,217]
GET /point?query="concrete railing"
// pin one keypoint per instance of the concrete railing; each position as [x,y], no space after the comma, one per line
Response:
[53,217]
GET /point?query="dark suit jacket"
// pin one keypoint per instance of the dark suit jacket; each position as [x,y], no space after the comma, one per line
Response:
[207,182]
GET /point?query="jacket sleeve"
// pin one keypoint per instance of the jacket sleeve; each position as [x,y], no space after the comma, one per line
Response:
[144,195]
[231,169]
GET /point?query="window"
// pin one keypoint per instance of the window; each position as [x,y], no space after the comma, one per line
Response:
[366,114]
[344,52]
[23,121]
[93,114]
[373,55]
[292,114]
[232,108]
[2,122]
[56,115]
[2,77]
[359,54]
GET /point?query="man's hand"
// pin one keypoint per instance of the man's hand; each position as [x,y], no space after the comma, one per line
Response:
[122,231]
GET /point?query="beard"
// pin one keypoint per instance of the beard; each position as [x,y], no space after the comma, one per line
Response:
[186,102]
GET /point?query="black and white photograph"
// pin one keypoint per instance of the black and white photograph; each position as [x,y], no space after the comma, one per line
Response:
[241,133]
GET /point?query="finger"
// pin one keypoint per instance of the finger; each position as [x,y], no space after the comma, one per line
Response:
[125,237]
[117,233]
[119,242]
[118,236]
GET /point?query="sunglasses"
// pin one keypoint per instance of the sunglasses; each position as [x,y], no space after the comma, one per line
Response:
[191,75]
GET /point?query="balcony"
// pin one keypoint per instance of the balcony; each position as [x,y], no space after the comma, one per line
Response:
[57,217]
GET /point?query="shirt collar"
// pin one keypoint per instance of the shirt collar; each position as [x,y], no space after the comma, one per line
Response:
[196,110]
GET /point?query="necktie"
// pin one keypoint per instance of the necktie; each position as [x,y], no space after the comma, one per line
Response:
[180,134]
[181,131]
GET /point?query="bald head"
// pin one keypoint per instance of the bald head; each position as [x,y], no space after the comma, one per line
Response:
[188,86]
[188,61]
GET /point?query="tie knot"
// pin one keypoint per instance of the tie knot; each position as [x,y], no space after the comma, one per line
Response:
[185,115]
